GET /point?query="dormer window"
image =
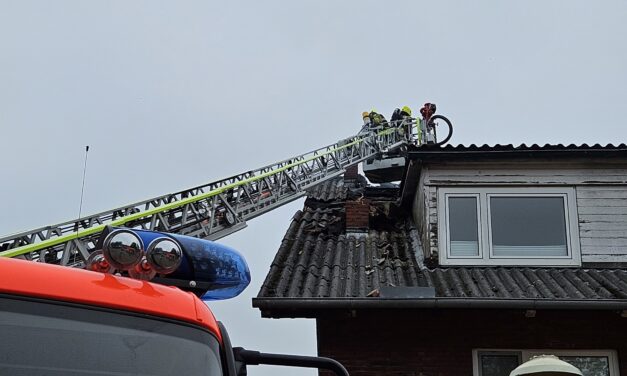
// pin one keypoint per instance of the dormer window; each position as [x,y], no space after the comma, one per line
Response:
[508,226]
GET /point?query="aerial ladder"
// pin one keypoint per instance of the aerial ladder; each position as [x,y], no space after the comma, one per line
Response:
[214,210]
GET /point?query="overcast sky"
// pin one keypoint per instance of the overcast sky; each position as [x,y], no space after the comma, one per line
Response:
[171,95]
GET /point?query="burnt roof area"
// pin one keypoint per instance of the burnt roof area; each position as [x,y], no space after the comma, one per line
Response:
[322,265]
[319,258]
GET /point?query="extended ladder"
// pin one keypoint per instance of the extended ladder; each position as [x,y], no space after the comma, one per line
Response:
[209,211]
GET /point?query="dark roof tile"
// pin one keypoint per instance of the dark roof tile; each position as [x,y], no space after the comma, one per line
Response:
[331,190]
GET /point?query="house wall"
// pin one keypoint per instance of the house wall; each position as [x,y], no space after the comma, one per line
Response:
[420,214]
[601,198]
[440,342]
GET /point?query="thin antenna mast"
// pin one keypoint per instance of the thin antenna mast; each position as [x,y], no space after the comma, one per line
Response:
[80,207]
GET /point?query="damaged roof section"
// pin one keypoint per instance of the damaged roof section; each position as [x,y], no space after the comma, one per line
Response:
[317,258]
[321,260]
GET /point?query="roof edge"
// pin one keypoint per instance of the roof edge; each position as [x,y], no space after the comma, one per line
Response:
[290,307]
[461,151]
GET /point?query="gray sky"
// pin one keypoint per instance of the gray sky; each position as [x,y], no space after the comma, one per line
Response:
[175,94]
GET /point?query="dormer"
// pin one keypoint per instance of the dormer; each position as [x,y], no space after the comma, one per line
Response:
[503,205]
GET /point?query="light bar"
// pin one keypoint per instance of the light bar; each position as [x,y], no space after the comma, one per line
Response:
[212,270]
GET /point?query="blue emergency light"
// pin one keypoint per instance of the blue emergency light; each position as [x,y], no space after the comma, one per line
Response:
[211,270]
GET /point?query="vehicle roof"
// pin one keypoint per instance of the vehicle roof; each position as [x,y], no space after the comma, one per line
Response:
[60,283]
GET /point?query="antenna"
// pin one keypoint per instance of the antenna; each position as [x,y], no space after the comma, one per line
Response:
[80,207]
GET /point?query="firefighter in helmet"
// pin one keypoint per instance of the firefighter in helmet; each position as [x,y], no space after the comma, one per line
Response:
[401,117]
[376,119]
[401,113]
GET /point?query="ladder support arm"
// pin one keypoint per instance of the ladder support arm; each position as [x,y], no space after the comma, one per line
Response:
[210,211]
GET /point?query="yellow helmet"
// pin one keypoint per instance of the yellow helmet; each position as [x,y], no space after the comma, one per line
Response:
[407,110]
[365,114]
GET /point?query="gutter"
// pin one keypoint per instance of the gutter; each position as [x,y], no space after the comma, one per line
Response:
[296,304]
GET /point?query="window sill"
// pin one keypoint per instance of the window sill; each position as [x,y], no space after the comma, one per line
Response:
[510,262]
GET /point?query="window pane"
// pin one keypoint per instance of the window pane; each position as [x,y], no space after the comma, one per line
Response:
[528,226]
[462,220]
[498,365]
[590,365]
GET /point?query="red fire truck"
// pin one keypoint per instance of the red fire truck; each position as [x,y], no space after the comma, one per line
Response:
[57,320]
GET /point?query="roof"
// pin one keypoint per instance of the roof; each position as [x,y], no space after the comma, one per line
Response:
[534,150]
[60,283]
[330,190]
[320,265]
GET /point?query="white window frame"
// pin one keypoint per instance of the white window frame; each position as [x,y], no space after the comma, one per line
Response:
[527,354]
[479,237]
[486,254]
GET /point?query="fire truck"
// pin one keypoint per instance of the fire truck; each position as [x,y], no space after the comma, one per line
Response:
[123,292]
[56,320]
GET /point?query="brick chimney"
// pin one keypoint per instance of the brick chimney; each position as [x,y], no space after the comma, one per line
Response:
[357,215]
[351,173]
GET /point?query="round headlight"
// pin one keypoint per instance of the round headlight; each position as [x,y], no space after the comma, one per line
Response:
[164,255]
[123,249]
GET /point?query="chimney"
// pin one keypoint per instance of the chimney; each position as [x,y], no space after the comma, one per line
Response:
[351,173]
[357,215]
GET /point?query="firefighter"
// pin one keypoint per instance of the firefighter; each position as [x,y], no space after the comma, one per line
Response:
[402,117]
[400,114]
[376,119]
[366,116]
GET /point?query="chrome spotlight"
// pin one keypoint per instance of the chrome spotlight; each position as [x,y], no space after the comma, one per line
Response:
[164,255]
[123,249]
